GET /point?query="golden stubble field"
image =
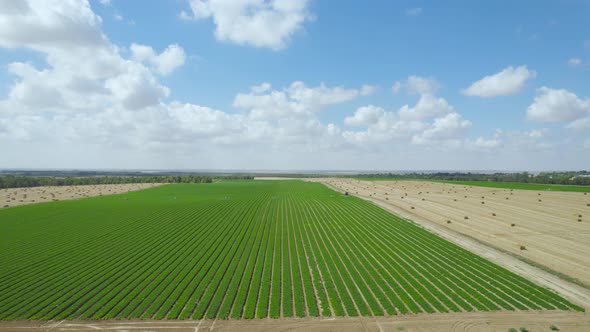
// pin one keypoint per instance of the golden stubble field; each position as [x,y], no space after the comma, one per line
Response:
[549,228]
[22,196]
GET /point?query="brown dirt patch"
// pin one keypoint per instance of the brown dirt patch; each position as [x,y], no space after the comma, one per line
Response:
[456,322]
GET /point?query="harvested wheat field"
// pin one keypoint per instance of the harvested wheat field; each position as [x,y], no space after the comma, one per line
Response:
[549,228]
[22,196]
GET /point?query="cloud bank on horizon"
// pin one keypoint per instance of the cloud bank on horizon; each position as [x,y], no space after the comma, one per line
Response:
[81,89]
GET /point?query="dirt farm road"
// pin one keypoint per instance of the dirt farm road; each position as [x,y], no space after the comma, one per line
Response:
[455,322]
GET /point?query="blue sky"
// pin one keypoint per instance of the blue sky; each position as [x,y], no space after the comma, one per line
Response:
[176,89]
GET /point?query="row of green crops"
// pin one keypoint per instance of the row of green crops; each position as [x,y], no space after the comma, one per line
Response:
[240,250]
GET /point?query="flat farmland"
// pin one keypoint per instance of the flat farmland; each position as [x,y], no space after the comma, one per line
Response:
[241,250]
[549,228]
[22,196]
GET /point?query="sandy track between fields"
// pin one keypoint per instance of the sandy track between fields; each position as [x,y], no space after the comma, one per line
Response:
[456,322]
[549,229]
[22,196]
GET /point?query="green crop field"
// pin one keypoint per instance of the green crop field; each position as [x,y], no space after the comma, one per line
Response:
[240,250]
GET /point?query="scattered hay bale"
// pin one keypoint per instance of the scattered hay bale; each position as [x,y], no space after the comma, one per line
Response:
[466,217]
[579,220]
[412,208]
[522,248]
[448,221]
[540,200]
[579,216]
[493,214]
[483,202]
[423,199]
[386,198]
[512,225]
[455,199]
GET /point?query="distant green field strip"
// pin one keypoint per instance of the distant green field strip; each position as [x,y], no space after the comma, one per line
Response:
[503,185]
[240,250]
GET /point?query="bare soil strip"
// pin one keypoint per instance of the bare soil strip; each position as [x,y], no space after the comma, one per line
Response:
[499,321]
[22,196]
[543,235]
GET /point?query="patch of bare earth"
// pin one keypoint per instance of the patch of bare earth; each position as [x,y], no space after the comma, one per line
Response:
[551,229]
[22,196]
[456,322]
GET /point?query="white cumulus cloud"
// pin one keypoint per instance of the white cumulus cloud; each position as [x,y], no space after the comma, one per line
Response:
[448,127]
[507,82]
[366,115]
[295,100]
[428,106]
[166,62]
[422,85]
[557,105]
[258,23]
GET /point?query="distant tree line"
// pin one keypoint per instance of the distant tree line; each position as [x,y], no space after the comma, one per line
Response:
[581,178]
[11,181]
